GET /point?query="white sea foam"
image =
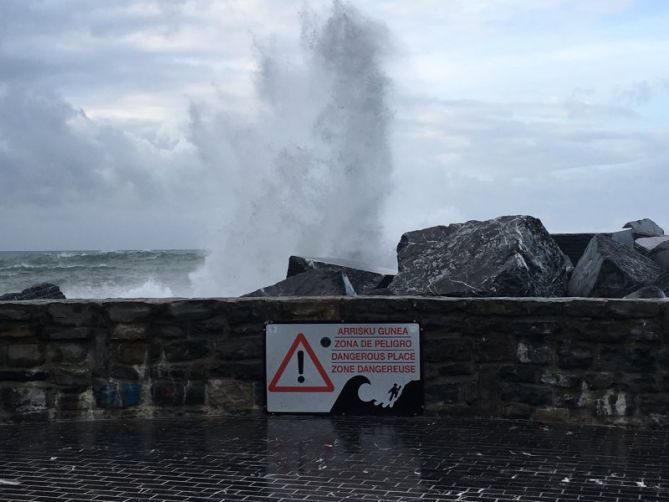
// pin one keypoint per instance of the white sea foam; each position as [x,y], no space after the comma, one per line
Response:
[310,174]
[151,288]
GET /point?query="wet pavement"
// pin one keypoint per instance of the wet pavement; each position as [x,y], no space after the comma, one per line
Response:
[330,459]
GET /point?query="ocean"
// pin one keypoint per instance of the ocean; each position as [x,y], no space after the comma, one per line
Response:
[103,274]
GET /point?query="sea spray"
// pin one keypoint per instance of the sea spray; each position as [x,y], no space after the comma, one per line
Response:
[310,173]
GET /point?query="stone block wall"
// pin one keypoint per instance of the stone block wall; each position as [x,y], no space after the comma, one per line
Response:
[578,360]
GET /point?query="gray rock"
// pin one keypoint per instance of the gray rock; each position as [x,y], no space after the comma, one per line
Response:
[624,237]
[43,291]
[646,292]
[608,269]
[311,283]
[363,278]
[644,228]
[660,255]
[506,256]
[649,243]
[568,264]
[662,282]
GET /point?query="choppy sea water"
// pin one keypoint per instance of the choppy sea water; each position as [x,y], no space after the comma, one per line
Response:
[103,274]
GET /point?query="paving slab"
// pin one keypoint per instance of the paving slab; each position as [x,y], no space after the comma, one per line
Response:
[284,458]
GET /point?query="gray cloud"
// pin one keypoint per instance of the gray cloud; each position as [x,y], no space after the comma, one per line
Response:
[642,92]
[574,170]
[52,152]
[61,170]
[42,155]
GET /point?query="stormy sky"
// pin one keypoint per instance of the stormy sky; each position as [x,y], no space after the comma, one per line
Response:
[111,131]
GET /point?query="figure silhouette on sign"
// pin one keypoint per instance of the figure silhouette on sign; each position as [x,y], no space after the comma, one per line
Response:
[394,391]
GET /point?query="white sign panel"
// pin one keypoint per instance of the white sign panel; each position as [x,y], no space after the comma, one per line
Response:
[344,368]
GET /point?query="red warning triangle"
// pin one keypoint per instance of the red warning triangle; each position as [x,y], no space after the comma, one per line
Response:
[327,386]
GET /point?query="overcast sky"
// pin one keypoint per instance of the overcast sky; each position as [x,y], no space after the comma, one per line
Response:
[555,108]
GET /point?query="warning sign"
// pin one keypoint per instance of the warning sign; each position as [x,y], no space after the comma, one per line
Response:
[344,368]
[297,349]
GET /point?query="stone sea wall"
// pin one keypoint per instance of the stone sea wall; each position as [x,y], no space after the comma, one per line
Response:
[577,360]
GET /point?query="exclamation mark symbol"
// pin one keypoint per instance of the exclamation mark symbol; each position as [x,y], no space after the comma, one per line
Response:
[300,365]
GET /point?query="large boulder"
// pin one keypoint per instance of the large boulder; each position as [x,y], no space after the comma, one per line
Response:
[609,269]
[365,279]
[624,237]
[42,291]
[645,293]
[569,265]
[660,255]
[506,256]
[662,282]
[310,283]
[644,228]
[648,244]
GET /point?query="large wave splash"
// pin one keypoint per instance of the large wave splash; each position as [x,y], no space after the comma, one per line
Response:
[310,173]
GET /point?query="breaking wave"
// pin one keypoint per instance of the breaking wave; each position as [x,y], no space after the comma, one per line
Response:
[310,172]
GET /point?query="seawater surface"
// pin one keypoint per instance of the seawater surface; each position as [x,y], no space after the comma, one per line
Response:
[103,274]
